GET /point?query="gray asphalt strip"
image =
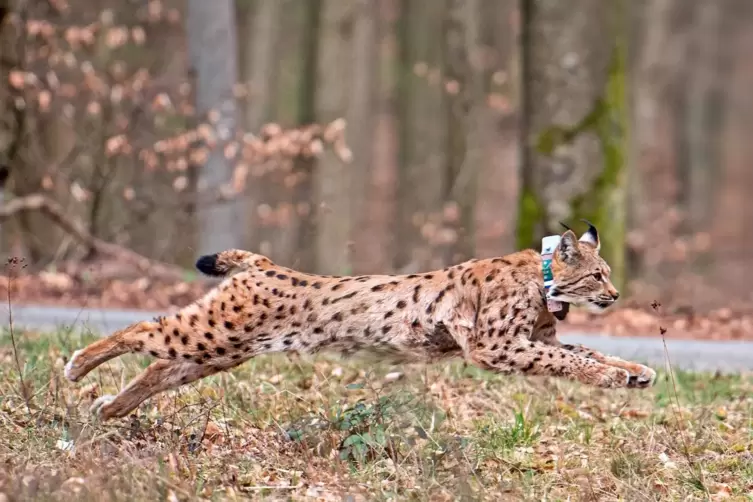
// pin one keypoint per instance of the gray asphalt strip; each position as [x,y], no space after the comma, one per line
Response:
[724,357]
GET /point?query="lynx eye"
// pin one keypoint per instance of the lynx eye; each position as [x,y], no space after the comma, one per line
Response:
[597,276]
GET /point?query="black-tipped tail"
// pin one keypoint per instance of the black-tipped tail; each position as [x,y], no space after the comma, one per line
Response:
[209,265]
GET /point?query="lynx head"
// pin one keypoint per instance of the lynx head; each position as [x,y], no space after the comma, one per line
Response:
[581,276]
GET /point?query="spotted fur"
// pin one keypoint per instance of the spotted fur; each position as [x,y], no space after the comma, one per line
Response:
[490,312]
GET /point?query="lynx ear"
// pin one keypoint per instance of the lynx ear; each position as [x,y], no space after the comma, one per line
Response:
[591,236]
[567,249]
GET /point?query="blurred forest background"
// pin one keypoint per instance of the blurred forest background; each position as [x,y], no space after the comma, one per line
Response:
[379,136]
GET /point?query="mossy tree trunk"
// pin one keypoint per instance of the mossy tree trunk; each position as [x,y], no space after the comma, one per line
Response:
[575,58]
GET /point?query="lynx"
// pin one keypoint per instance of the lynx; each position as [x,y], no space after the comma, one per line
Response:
[490,312]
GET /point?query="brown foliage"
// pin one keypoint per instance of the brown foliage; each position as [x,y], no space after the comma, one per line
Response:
[105,129]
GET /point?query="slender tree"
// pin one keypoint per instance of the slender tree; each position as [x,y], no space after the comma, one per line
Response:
[259,29]
[424,175]
[212,48]
[346,83]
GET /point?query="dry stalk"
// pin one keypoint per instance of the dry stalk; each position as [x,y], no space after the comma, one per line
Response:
[686,446]
[12,264]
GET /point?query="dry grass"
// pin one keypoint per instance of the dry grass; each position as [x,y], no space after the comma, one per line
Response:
[277,428]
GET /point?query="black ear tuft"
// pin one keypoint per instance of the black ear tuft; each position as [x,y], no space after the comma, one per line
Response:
[207,264]
[591,236]
[566,227]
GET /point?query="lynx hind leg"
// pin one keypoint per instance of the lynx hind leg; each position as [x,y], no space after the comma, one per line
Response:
[158,377]
[139,337]
[640,376]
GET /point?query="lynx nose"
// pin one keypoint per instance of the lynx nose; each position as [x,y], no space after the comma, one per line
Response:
[615,295]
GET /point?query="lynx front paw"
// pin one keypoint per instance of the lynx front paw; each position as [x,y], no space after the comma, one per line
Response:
[645,378]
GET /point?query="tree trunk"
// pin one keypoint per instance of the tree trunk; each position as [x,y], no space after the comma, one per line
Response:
[498,183]
[424,166]
[362,119]
[278,236]
[704,100]
[258,33]
[653,185]
[212,46]
[468,126]
[731,232]
[305,249]
[575,69]
[345,89]
[374,238]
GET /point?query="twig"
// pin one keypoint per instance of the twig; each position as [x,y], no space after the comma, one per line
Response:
[11,265]
[206,424]
[269,487]
[53,210]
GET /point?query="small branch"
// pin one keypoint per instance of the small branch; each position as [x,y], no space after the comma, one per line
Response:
[51,209]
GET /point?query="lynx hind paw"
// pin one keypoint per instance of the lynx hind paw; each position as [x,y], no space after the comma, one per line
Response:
[70,367]
[99,404]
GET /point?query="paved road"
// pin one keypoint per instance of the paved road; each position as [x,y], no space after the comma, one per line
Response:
[724,357]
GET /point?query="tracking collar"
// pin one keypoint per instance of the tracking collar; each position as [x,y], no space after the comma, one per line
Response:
[548,245]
